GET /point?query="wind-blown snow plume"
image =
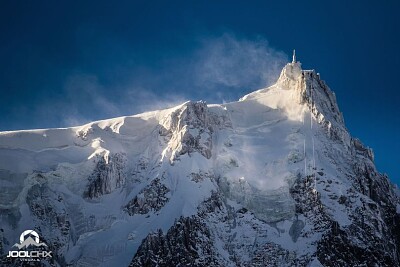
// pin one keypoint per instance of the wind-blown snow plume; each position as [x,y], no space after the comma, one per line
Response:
[226,65]
[236,63]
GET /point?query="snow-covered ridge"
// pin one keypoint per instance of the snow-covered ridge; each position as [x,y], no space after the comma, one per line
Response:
[273,179]
[294,88]
[297,89]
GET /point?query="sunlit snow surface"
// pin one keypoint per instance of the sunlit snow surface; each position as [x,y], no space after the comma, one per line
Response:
[255,157]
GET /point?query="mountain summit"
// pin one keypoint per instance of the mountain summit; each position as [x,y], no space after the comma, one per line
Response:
[274,179]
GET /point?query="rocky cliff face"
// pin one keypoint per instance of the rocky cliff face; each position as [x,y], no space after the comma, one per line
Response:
[187,242]
[274,179]
[187,130]
[349,223]
[151,198]
[108,175]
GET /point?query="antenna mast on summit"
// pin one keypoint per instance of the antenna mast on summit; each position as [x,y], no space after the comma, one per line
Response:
[294,56]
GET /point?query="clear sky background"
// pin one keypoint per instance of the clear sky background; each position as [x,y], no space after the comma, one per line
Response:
[64,63]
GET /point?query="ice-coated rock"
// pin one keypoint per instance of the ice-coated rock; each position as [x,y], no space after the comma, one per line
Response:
[188,130]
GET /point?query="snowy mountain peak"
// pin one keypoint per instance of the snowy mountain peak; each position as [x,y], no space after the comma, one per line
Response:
[274,179]
[298,92]
[290,76]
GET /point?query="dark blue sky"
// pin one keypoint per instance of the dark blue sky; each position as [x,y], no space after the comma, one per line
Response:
[70,62]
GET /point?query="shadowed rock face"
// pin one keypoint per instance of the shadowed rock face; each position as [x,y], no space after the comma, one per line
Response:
[187,243]
[106,176]
[191,240]
[151,198]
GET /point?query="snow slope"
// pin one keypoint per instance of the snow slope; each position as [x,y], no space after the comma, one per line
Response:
[273,179]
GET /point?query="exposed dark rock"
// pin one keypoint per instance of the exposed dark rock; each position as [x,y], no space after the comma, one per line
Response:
[273,255]
[187,243]
[151,198]
[107,176]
